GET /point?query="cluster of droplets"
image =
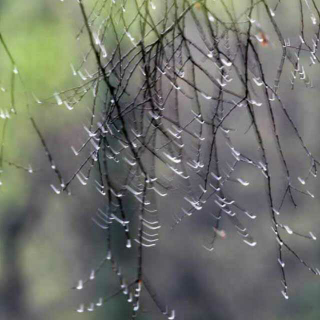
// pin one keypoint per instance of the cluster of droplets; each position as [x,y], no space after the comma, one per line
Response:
[180,164]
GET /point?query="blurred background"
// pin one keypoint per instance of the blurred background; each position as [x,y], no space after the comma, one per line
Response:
[48,242]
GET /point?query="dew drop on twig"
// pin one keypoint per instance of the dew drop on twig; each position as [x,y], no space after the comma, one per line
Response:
[128,245]
[288,229]
[243,182]
[313,18]
[285,294]
[99,303]
[249,215]
[172,315]
[81,308]
[272,12]
[36,99]
[74,72]
[58,99]
[282,264]
[91,307]
[251,244]
[275,211]
[310,194]
[312,236]
[80,285]
[153,7]
[226,63]
[57,191]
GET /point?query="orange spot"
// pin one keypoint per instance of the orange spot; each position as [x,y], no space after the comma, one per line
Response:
[265,40]
[197,5]
[221,233]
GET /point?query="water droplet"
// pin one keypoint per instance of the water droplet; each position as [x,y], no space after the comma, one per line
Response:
[250,216]
[205,96]
[91,307]
[81,308]
[279,241]
[172,315]
[310,194]
[58,99]
[301,39]
[57,191]
[282,264]
[91,134]
[35,98]
[134,192]
[251,244]
[284,293]
[74,150]
[128,245]
[130,298]
[210,17]
[181,74]
[263,166]
[136,306]
[257,81]
[312,236]
[81,178]
[104,51]
[162,72]
[255,103]
[194,203]
[175,86]
[82,76]
[172,158]
[208,249]
[243,182]
[288,229]
[251,20]
[178,172]
[221,83]
[74,72]
[130,37]
[67,105]
[216,177]
[99,303]
[226,63]
[15,70]
[275,211]
[80,285]
[259,38]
